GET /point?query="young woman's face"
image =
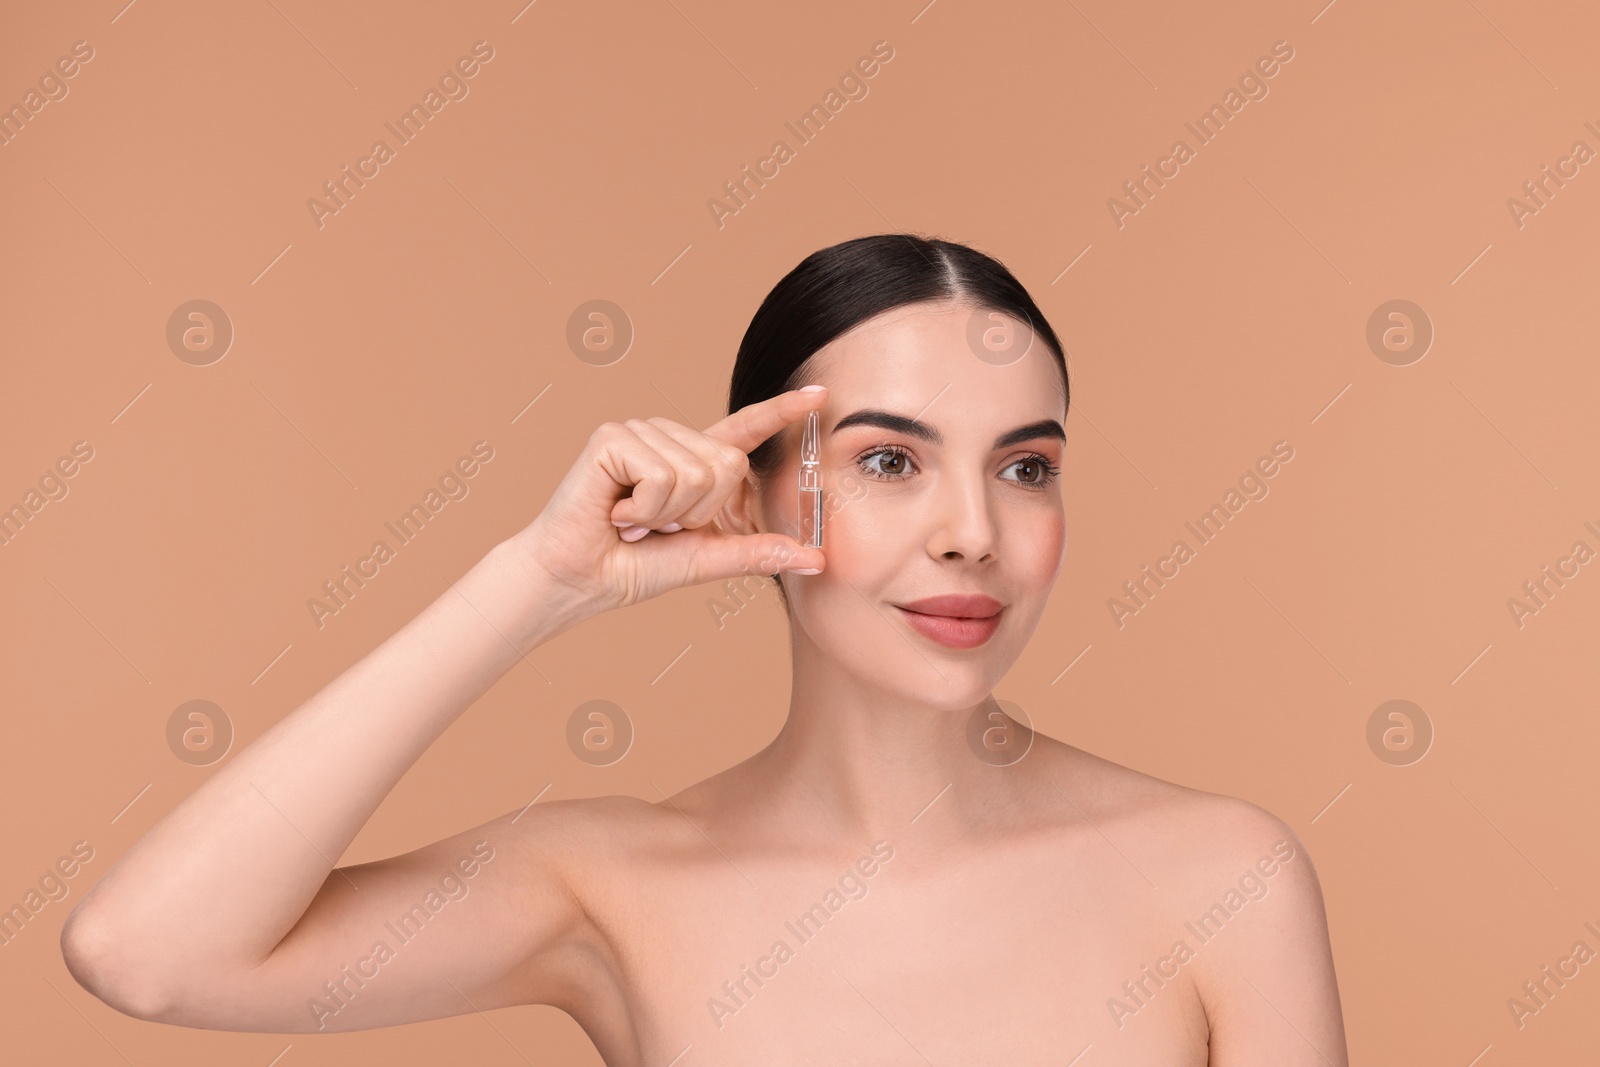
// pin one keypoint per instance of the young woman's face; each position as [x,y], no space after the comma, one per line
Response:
[939,459]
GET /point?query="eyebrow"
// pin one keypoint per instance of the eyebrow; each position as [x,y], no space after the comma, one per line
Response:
[888,420]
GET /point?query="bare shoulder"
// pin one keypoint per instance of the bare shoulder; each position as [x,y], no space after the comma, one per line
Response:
[1262,951]
[1196,834]
[1237,891]
[577,833]
[599,845]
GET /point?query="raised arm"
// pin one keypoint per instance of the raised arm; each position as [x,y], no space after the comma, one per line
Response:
[230,913]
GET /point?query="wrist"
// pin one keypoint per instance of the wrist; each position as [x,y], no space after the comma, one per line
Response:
[520,598]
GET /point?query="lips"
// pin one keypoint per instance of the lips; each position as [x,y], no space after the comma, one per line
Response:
[954,620]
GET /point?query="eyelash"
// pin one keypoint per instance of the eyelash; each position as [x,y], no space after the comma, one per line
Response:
[1050,471]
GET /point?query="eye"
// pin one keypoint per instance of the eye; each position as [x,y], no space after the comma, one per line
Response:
[897,456]
[1043,473]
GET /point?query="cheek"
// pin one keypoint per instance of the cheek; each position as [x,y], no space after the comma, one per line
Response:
[858,532]
[861,535]
[866,540]
[867,546]
[1042,544]
[869,549]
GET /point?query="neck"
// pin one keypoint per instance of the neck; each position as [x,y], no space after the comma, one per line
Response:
[858,762]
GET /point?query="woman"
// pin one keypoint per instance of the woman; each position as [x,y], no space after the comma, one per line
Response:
[905,874]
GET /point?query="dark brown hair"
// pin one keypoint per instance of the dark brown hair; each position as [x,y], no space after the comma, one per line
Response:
[835,289]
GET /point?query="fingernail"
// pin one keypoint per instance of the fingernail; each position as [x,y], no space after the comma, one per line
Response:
[634,533]
[621,522]
[672,527]
[811,389]
[806,570]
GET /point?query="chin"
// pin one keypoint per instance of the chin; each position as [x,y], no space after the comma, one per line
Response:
[963,685]
[955,698]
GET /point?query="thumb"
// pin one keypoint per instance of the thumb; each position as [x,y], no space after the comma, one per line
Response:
[710,555]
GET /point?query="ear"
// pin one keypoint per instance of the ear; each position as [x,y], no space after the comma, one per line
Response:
[737,515]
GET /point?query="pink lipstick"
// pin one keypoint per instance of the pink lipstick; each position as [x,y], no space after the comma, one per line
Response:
[954,620]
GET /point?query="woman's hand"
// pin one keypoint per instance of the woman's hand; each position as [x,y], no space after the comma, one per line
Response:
[633,517]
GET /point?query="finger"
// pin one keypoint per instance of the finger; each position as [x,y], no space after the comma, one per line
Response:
[727,464]
[746,428]
[709,555]
[691,479]
[631,462]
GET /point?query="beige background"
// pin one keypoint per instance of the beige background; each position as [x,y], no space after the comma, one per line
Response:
[1228,314]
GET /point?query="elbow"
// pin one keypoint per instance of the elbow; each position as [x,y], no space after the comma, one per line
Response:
[97,955]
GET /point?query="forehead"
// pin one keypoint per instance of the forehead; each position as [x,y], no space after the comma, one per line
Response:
[911,357]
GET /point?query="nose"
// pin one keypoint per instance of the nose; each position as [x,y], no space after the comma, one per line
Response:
[964,526]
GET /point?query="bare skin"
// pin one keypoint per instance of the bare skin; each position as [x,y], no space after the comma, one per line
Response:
[866,888]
